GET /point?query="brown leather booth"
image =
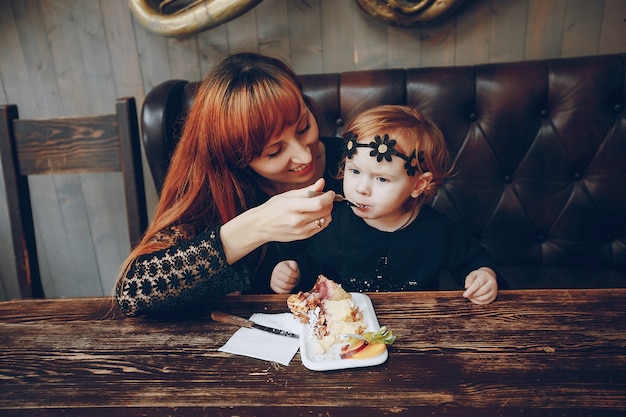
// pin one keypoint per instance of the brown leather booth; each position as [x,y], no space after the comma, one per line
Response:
[539,148]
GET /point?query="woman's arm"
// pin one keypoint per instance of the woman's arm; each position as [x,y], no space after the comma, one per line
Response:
[196,269]
[188,274]
[285,217]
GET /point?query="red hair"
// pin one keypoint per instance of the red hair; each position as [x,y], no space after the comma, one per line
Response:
[240,105]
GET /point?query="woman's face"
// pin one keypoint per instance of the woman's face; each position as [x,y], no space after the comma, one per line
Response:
[379,189]
[288,159]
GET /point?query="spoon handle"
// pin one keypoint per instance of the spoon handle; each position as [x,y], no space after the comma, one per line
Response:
[338,197]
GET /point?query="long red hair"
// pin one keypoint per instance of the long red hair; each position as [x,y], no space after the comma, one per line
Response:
[240,104]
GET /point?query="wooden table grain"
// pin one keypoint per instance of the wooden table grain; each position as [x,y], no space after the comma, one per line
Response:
[530,353]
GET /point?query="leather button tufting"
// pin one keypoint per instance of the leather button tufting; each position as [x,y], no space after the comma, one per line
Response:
[544,113]
[578,176]
[618,108]
[339,122]
[473,117]
[508,179]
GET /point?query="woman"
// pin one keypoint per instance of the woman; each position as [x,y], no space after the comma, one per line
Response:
[237,185]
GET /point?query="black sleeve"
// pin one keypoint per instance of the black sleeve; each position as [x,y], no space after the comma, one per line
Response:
[466,254]
[186,275]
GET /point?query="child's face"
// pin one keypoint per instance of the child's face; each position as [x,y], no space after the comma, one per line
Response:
[379,189]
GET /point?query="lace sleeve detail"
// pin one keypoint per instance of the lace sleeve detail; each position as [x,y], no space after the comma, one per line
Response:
[185,275]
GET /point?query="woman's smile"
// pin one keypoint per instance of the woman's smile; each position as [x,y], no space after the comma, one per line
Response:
[302,169]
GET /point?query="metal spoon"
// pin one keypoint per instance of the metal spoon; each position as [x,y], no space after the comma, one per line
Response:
[338,197]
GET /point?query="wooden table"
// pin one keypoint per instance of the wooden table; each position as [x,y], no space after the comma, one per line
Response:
[531,353]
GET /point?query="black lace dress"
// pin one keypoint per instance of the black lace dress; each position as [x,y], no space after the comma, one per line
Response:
[362,258]
[193,270]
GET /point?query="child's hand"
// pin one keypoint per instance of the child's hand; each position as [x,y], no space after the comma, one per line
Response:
[285,277]
[481,286]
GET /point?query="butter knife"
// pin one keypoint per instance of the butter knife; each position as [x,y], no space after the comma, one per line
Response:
[240,321]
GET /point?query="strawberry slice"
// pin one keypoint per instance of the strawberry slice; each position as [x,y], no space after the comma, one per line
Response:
[370,351]
[355,345]
[368,344]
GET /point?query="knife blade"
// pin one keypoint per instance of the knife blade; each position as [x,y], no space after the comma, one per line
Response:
[240,321]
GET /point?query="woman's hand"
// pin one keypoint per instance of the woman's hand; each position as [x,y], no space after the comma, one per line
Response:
[294,215]
[285,217]
[285,277]
[481,286]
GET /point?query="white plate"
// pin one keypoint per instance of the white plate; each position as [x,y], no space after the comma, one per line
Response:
[331,359]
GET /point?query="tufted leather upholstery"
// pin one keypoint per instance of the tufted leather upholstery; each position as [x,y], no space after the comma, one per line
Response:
[539,148]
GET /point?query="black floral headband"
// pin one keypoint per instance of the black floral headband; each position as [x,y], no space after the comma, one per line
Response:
[383,148]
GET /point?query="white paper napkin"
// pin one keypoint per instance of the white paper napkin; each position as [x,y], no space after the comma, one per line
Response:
[264,345]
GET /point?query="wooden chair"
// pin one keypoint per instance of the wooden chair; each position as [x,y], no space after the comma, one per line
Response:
[108,143]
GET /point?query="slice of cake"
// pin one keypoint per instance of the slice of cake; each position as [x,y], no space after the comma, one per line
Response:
[329,311]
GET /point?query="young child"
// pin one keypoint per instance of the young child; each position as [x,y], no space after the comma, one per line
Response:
[388,238]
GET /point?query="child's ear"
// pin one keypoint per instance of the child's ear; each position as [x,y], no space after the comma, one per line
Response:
[422,184]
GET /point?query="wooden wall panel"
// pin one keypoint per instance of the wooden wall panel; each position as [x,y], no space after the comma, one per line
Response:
[8,283]
[102,193]
[544,34]
[183,58]
[71,57]
[581,28]
[338,35]
[40,87]
[13,74]
[404,47]
[613,30]
[121,48]
[154,61]
[272,20]
[212,47]
[243,34]
[305,36]
[473,35]
[509,19]
[370,43]
[438,43]
[68,245]
[13,65]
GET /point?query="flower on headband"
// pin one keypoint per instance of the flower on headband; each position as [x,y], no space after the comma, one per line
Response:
[351,145]
[420,157]
[383,148]
[411,163]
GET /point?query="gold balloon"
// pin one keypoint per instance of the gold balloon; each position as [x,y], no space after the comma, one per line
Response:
[200,15]
[406,13]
